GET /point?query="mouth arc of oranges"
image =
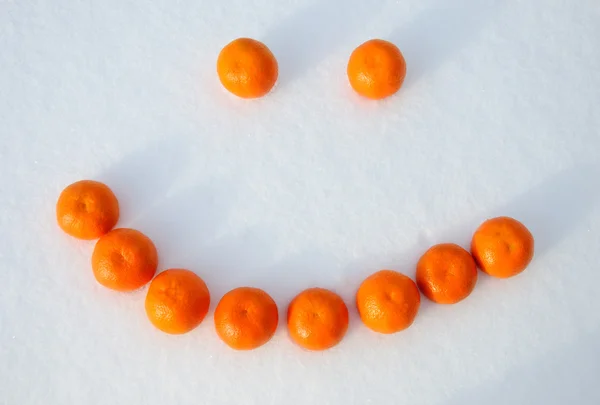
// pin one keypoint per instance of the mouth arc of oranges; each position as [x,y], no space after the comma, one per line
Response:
[246,318]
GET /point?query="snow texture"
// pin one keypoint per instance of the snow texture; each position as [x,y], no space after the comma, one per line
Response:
[309,186]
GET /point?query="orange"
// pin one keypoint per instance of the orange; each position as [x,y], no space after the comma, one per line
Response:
[124,260]
[446,273]
[247,68]
[502,247]
[87,209]
[177,301]
[246,318]
[376,69]
[388,301]
[317,319]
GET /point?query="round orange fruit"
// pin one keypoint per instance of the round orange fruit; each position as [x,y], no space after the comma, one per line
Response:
[247,68]
[376,69]
[446,273]
[388,301]
[124,260]
[502,247]
[177,301]
[246,318]
[317,319]
[87,209]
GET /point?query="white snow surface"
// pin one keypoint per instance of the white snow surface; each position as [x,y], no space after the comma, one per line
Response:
[309,186]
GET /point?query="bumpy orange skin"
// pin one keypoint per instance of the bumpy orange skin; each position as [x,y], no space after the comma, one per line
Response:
[502,247]
[376,69]
[87,209]
[177,301]
[388,301]
[446,273]
[124,260]
[246,318]
[247,68]
[317,319]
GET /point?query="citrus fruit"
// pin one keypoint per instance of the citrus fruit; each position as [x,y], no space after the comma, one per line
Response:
[388,301]
[247,68]
[446,273]
[177,301]
[376,69]
[246,318]
[502,247]
[124,259]
[317,319]
[87,209]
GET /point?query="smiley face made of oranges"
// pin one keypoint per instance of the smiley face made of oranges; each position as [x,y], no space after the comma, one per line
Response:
[245,318]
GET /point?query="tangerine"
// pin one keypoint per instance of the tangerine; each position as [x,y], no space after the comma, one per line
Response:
[177,301]
[376,69]
[247,68]
[502,247]
[388,301]
[124,259]
[246,318]
[87,209]
[446,273]
[317,319]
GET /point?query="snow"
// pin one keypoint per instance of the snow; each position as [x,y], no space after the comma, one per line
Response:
[309,186]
